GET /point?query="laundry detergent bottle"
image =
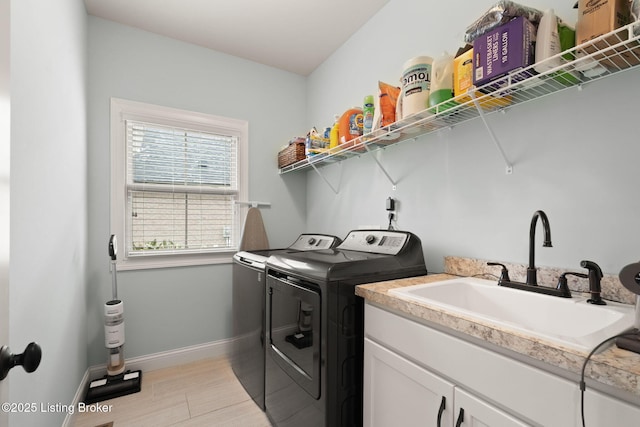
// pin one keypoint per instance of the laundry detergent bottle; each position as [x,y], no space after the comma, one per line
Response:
[441,83]
[334,138]
[547,43]
[350,125]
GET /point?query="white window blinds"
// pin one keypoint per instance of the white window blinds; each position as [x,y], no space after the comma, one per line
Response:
[181,187]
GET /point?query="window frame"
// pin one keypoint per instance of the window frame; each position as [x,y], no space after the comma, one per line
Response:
[122,110]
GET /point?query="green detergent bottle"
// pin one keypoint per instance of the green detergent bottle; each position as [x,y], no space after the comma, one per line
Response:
[441,84]
[367,114]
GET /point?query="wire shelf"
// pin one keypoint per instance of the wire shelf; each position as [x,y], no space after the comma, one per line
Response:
[599,58]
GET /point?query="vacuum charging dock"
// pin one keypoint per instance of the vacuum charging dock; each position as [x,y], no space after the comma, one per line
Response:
[111,387]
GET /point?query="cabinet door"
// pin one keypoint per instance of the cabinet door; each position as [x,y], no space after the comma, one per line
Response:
[601,410]
[398,392]
[473,412]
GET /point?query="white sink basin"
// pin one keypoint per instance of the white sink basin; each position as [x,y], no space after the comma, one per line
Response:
[569,322]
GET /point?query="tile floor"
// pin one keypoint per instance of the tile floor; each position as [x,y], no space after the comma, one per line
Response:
[203,393]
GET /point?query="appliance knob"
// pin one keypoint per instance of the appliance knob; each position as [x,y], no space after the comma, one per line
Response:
[370,239]
[311,241]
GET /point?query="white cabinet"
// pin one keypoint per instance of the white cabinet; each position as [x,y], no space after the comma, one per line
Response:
[531,395]
[603,410]
[400,392]
[472,411]
[410,367]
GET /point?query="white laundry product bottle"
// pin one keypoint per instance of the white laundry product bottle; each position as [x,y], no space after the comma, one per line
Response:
[547,43]
[441,81]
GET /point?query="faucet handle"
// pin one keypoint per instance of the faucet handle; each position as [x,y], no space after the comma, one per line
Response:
[504,274]
[562,282]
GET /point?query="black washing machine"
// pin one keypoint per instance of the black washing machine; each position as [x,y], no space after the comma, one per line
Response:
[315,325]
[247,349]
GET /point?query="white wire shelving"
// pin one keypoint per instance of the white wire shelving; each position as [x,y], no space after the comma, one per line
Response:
[604,56]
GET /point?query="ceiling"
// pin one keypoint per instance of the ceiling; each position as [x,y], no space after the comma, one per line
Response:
[292,35]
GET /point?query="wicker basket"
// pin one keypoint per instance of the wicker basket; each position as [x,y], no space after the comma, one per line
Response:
[293,153]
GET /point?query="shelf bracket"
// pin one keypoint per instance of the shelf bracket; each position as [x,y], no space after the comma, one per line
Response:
[315,168]
[384,171]
[508,165]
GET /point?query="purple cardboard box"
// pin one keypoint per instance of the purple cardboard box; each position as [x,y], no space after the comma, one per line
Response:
[503,49]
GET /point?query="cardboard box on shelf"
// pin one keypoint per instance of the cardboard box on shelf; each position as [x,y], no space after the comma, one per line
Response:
[463,82]
[463,71]
[502,50]
[599,17]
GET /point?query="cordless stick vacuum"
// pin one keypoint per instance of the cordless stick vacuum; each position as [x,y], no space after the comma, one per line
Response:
[117,382]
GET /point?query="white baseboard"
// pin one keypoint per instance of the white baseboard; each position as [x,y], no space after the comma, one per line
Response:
[153,362]
[166,359]
[68,420]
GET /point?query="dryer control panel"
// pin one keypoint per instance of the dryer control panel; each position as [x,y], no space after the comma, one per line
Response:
[307,242]
[375,241]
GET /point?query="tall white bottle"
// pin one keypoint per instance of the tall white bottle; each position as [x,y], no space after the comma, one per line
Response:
[441,81]
[547,42]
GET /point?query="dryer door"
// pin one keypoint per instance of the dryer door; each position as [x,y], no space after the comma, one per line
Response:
[294,330]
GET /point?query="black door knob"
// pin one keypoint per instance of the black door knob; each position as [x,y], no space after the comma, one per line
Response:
[30,359]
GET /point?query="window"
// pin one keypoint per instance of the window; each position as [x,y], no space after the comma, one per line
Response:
[175,179]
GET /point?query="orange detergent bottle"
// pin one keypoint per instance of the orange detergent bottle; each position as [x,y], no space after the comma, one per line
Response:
[350,125]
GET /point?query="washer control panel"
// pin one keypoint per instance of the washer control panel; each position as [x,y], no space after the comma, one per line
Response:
[375,241]
[307,242]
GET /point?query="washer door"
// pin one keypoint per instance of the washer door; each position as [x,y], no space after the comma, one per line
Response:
[294,330]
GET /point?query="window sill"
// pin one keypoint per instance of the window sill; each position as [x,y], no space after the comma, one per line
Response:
[170,261]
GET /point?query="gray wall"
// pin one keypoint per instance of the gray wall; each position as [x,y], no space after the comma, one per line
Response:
[172,308]
[574,155]
[5,159]
[47,275]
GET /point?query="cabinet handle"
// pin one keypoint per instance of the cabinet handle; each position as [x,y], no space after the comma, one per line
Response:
[460,418]
[443,403]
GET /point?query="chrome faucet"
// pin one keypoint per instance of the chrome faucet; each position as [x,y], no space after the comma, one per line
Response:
[532,274]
